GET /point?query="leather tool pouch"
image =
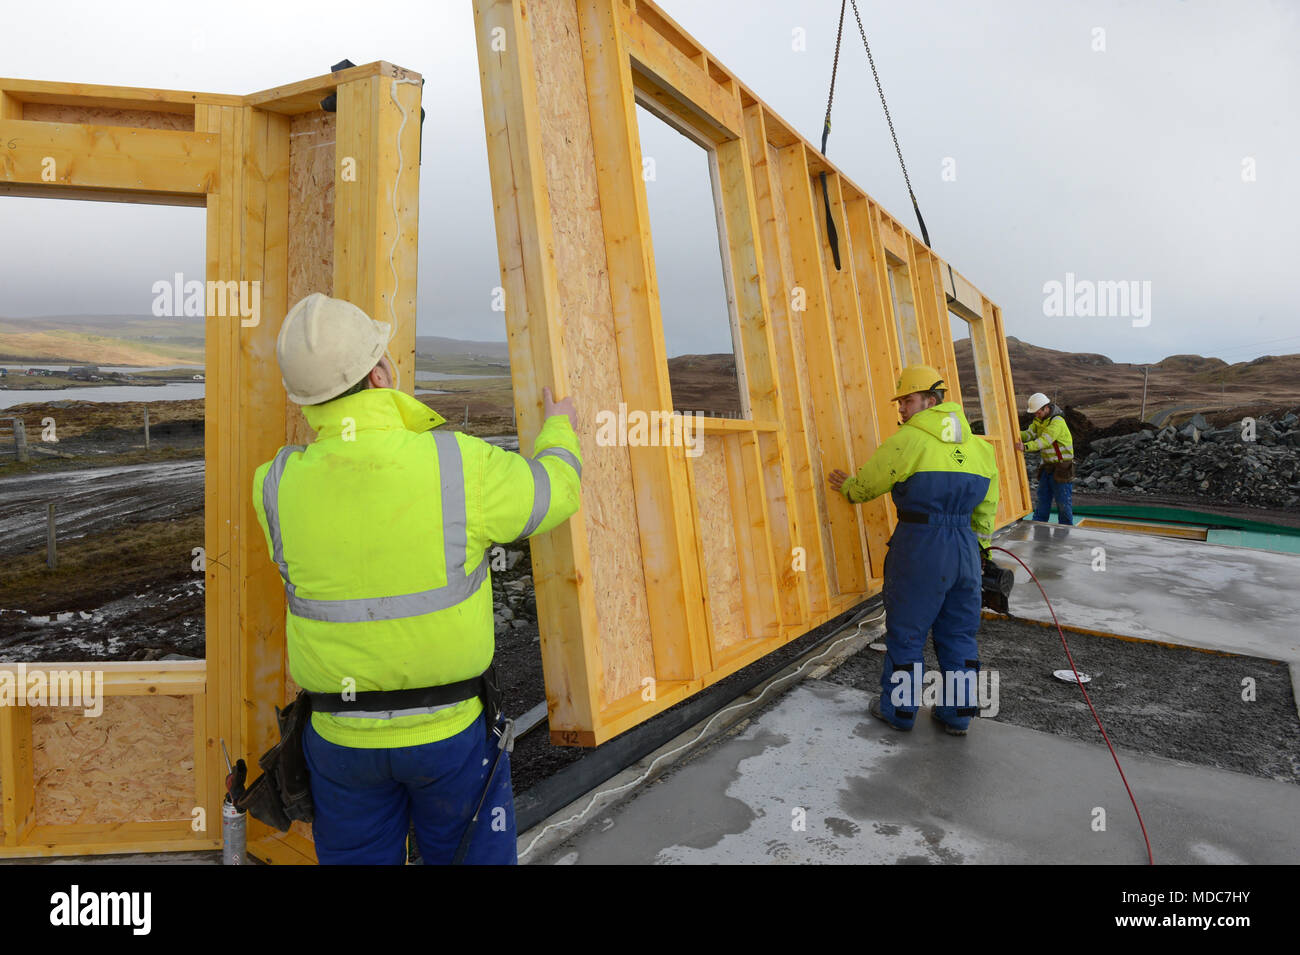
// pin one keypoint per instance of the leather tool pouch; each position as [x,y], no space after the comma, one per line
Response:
[1064,470]
[282,794]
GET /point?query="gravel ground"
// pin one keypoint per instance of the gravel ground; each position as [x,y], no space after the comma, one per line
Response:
[1159,701]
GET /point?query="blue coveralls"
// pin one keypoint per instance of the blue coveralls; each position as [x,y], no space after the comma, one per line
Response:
[932,581]
[943,481]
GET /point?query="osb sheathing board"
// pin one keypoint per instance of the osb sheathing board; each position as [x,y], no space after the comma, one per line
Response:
[311,225]
[134,761]
[679,570]
[583,275]
[718,543]
[101,116]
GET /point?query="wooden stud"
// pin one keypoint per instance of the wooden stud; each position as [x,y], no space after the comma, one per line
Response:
[758,347]
[856,374]
[265,261]
[108,157]
[17,785]
[663,507]
[825,380]
[562,575]
[798,503]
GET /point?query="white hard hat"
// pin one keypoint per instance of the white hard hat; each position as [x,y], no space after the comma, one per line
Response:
[326,346]
[1036,401]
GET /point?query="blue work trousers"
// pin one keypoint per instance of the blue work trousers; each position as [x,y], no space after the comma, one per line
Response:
[366,799]
[1049,488]
[932,582]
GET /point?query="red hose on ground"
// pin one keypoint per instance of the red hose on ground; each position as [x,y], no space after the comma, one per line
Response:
[1150,858]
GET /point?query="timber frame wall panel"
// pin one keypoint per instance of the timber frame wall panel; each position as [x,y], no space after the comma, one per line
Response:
[266,169]
[680,568]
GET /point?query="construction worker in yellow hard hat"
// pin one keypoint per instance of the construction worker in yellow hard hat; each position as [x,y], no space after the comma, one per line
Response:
[1049,435]
[944,482]
[380,529]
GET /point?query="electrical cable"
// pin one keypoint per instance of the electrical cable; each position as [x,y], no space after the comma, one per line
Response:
[397,237]
[1079,683]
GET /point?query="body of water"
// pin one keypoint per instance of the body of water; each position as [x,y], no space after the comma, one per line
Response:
[121,369]
[438,376]
[169,392]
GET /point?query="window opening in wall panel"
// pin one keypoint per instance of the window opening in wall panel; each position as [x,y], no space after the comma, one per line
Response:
[905,321]
[971,351]
[102,323]
[696,301]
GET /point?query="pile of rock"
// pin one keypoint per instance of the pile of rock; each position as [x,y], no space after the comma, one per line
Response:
[512,591]
[1229,464]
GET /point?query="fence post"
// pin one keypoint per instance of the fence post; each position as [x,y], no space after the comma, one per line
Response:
[51,553]
[146,427]
[20,439]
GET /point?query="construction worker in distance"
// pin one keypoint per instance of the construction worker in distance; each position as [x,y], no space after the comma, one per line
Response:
[1049,435]
[944,483]
[381,529]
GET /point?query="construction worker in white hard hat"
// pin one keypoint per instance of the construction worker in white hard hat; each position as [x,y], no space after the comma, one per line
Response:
[1049,435]
[944,482]
[380,529]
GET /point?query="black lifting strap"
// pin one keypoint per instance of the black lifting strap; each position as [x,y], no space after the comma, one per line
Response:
[831,235]
[826,129]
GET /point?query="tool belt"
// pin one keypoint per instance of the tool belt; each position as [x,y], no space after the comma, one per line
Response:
[1062,471]
[282,794]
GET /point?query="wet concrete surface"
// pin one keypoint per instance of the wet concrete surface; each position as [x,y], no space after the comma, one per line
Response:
[1189,593]
[90,500]
[814,779]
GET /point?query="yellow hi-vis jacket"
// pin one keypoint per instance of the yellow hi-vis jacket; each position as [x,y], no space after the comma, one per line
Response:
[1045,435]
[381,530]
[934,466]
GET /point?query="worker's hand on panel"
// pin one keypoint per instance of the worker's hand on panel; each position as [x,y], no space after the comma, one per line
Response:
[837,479]
[564,406]
[1020,445]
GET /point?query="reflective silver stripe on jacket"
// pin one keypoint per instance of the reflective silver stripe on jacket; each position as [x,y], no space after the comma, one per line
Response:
[541,497]
[394,714]
[563,455]
[271,505]
[459,586]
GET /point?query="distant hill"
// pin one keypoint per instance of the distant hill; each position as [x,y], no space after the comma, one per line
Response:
[435,346]
[1101,388]
[1106,390]
[102,340]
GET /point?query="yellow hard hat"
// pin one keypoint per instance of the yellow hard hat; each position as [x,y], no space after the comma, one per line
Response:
[326,345]
[918,378]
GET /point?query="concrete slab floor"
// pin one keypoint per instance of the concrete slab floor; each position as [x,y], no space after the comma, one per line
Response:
[1178,591]
[815,779]
[1159,588]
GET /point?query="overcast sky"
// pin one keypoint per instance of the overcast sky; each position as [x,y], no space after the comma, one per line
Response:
[1127,163]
